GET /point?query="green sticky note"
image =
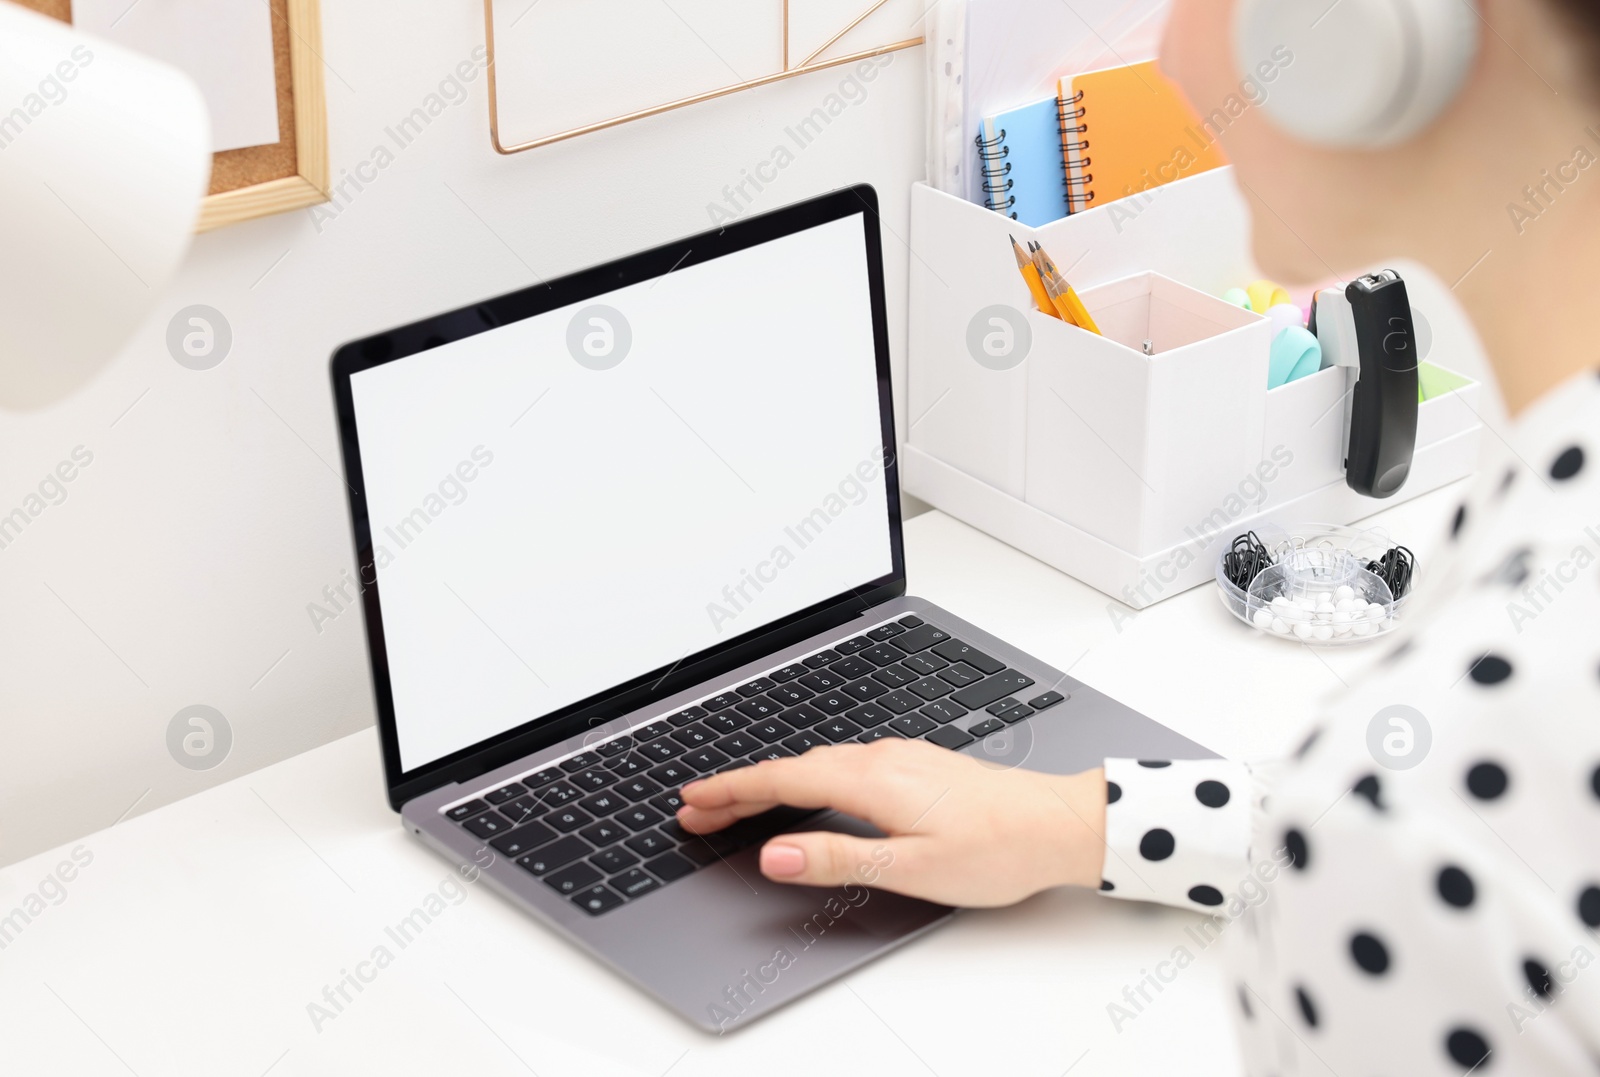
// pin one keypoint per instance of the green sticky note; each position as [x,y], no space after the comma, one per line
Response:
[1436,381]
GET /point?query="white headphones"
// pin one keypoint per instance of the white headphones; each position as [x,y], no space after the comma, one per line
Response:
[1358,73]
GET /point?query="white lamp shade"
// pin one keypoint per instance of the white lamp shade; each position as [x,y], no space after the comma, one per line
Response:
[105,156]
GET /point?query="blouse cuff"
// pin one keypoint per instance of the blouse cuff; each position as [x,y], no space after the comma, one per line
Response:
[1178,832]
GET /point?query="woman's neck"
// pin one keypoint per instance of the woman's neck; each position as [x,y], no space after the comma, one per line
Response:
[1535,297]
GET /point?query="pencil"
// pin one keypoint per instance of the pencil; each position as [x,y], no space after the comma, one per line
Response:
[1030,274]
[1065,295]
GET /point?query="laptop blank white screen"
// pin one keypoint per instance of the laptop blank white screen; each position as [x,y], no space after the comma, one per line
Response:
[547,526]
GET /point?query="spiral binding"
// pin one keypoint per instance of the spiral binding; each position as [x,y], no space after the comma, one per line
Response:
[1069,120]
[996,169]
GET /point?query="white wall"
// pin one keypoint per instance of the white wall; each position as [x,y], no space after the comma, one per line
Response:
[179,568]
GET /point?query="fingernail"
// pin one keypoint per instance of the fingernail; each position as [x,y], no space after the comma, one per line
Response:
[779,861]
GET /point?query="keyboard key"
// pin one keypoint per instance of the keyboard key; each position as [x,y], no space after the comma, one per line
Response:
[694,736]
[557,853]
[596,900]
[667,803]
[488,825]
[789,672]
[900,701]
[592,779]
[911,620]
[467,810]
[674,830]
[869,714]
[834,702]
[613,860]
[912,725]
[1049,699]
[522,809]
[804,741]
[602,804]
[789,694]
[837,729]
[505,793]
[1003,705]
[604,832]
[929,688]
[883,655]
[652,731]
[802,716]
[771,751]
[896,676]
[771,730]
[524,839]
[685,716]
[986,692]
[985,727]
[960,675]
[726,722]
[662,750]
[882,732]
[851,646]
[956,651]
[721,702]
[755,687]
[949,737]
[571,879]
[1014,714]
[628,765]
[823,680]
[698,850]
[942,711]
[553,796]
[705,760]
[822,658]
[637,789]
[924,662]
[639,817]
[567,820]
[738,744]
[634,883]
[581,761]
[542,777]
[760,707]
[674,774]
[852,668]
[669,866]
[921,638]
[614,747]
[863,690]
[883,632]
[649,843]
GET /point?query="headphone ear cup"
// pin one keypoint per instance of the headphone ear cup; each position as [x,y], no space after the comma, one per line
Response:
[1358,73]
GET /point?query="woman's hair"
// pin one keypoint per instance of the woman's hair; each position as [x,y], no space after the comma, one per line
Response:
[1583,16]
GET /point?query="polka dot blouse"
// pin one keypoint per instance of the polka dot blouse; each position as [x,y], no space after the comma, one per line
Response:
[1417,889]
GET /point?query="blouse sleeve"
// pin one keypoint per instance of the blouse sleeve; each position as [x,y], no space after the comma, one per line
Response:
[1179,832]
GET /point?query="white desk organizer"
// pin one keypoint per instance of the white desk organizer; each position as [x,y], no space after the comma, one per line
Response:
[1127,471]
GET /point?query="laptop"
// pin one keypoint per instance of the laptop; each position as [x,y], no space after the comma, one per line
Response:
[642,524]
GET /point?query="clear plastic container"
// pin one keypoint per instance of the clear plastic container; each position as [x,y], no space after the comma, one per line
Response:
[1319,590]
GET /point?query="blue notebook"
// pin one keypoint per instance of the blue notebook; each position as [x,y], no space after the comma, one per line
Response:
[1020,151]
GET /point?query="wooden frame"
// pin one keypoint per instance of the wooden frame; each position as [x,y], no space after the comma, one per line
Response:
[292,173]
[809,64]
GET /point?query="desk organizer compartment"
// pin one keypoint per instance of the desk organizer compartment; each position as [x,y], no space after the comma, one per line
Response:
[1131,473]
[1132,447]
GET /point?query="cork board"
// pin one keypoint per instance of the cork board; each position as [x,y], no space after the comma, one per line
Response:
[291,173]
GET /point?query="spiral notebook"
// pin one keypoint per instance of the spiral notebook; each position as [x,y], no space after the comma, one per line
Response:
[1020,154]
[1126,130]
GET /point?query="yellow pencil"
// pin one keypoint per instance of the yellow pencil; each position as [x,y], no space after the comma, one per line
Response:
[1066,295]
[1030,274]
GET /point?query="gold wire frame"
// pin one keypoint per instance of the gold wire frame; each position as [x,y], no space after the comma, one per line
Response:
[806,66]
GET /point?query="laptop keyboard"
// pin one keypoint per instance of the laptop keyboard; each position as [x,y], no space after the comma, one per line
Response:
[600,828]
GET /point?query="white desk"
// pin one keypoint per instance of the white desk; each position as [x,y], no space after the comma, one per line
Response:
[197,935]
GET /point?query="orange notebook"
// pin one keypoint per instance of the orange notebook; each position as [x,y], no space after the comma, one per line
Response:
[1126,130]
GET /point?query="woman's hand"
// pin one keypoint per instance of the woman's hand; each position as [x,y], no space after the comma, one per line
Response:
[959,832]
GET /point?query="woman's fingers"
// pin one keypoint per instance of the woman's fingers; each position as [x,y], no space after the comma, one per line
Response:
[831,777]
[824,858]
